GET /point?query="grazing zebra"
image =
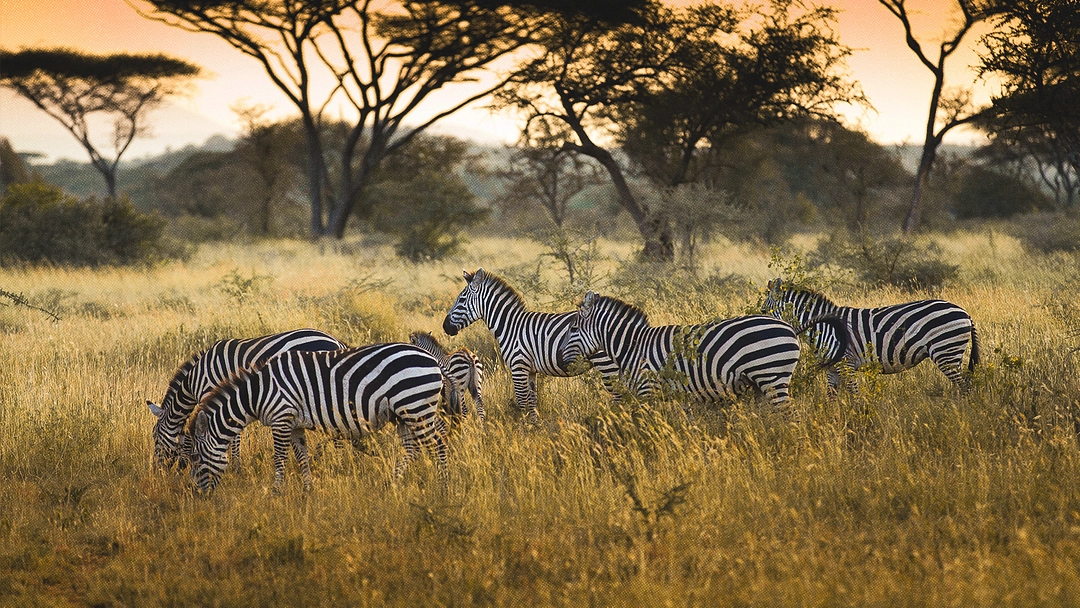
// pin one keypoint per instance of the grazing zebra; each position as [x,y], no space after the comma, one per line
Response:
[348,393]
[528,341]
[462,367]
[899,336]
[710,362]
[200,374]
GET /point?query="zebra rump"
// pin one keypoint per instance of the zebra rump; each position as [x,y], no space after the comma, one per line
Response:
[461,367]
[899,336]
[202,372]
[347,393]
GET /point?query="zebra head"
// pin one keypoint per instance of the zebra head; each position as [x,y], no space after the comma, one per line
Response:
[582,338]
[208,460]
[466,308]
[777,299]
[168,448]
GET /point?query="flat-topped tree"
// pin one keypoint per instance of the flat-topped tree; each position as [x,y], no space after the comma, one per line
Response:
[73,87]
[383,61]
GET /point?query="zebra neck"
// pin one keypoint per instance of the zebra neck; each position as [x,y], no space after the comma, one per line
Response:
[812,308]
[630,344]
[500,310]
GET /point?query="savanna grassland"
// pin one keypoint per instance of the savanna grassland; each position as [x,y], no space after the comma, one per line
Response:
[906,495]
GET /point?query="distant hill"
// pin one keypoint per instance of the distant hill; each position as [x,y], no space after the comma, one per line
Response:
[134,177]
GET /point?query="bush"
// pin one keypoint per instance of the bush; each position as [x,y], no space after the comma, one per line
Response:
[40,223]
[887,261]
[1047,232]
[982,192]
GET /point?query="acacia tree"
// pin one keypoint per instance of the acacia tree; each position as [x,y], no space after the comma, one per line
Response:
[73,87]
[734,69]
[586,69]
[1035,48]
[671,83]
[948,108]
[383,65]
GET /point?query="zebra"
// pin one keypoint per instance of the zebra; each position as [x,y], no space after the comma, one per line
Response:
[900,336]
[462,367]
[710,362]
[202,372]
[528,341]
[348,393]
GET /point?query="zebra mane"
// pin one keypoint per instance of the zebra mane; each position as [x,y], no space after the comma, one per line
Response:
[811,294]
[181,374]
[428,342]
[501,284]
[629,310]
[229,383]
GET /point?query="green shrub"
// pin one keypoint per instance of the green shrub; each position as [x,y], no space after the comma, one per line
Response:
[40,223]
[982,192]
[893,261]
[1047,232]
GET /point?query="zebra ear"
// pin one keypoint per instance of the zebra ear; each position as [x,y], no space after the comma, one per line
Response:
[589,300]
[155,409]
[467,275]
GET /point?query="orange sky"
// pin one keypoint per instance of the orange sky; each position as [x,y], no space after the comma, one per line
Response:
[896,84]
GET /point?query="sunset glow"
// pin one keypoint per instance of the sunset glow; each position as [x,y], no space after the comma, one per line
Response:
[896,84]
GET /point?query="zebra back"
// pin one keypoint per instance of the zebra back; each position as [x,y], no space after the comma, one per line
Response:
[709,361]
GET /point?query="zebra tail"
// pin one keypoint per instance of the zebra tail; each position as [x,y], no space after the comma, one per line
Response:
[973,360]
[843,334]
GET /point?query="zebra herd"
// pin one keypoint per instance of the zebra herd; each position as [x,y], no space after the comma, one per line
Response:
[306,379]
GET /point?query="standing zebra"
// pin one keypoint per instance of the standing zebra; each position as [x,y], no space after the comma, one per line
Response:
[900,336]
[462,367]
[528,341]
[346,393]
[200,374]
[711,361]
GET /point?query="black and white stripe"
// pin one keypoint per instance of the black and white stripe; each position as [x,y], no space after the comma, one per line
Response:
[709,362]
[462,367]
[200,374]
[899,336]
[528,341]
[347,393]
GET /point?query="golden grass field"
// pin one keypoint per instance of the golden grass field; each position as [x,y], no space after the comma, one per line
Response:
[907,495]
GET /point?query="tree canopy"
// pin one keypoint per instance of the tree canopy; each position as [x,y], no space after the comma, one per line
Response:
[72,86]
[384,59]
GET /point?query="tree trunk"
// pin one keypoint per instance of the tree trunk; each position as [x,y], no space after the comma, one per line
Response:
[315,176]
[655,230]
[922,178]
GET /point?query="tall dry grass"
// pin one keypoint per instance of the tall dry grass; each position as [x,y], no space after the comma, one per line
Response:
[906,495]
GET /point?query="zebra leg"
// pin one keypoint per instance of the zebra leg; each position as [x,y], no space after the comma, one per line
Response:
[303,459]
[234,449]
[282,434]
[525,393]
[478,399]
[952,366]
[833,375]
[408,439]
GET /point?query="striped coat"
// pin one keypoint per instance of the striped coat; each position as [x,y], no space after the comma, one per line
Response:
[899,336]
[462,367]
[708,362]
[347,393]
[528,341]
[202,372]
